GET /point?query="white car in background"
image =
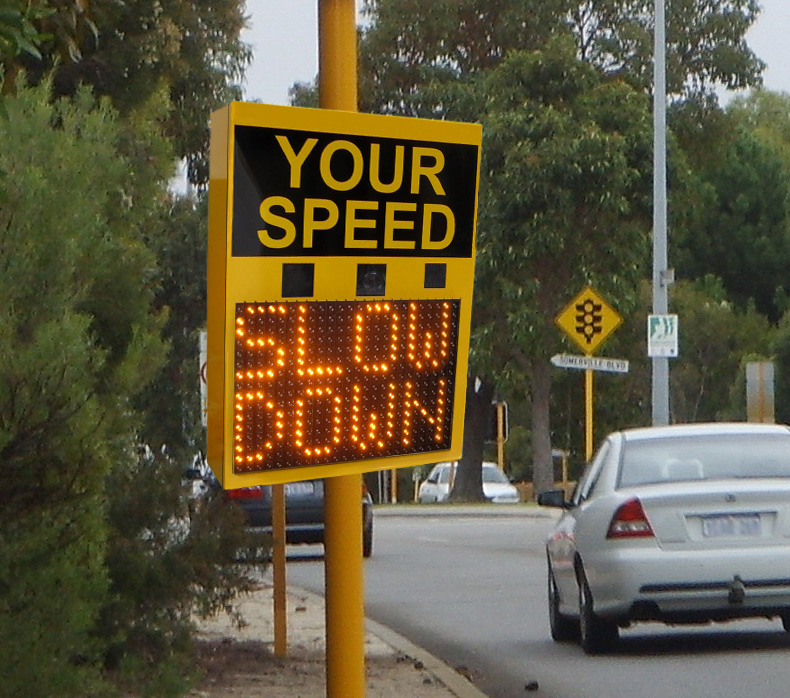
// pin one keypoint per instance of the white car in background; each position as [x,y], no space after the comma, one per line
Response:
[496,487]
[678,524]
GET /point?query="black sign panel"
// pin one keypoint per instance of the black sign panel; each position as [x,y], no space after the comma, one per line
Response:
[299,193]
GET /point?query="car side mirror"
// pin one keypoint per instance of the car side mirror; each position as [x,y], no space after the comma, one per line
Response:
[432,480]
[553,498]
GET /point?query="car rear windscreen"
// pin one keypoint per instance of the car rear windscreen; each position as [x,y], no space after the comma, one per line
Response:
[717,457]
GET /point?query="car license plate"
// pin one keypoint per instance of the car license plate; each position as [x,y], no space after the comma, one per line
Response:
[732,526]
[299,489]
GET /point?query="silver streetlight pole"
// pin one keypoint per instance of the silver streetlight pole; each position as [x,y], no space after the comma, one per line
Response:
[660,393]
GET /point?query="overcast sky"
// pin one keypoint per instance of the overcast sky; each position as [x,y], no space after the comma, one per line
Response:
[284,39]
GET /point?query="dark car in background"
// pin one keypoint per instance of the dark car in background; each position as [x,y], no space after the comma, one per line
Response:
[304,512]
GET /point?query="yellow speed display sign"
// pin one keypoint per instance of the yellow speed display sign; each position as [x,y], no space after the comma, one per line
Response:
[341,264]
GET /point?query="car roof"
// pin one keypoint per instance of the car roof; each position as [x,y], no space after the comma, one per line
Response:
[704,429]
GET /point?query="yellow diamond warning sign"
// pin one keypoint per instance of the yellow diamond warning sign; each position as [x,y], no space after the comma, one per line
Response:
[588,320]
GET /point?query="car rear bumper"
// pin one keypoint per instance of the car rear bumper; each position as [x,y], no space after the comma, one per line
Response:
[655,584]
[307,534]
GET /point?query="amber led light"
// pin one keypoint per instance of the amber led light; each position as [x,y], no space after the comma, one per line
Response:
[338,381]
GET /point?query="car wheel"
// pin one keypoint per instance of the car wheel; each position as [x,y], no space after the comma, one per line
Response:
[596,634]
[786,621]
[367,542]
[563,628]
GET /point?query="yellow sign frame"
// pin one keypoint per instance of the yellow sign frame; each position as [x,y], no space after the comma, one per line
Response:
[240,279]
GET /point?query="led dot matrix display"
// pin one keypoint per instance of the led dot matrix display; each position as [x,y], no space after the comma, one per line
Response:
[329,382]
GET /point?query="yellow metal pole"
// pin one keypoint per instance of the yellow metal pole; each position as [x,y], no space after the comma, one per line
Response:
[761,392]
[588,411]
[345,588]
[337,54]
[278,565]
[345,619]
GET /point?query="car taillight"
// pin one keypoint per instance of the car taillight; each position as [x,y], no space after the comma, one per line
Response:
[246,493]
[630,521]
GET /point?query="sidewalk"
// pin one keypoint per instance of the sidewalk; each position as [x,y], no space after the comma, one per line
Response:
[240,662]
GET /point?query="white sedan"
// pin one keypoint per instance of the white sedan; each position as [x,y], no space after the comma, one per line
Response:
[496,487]
[678,524]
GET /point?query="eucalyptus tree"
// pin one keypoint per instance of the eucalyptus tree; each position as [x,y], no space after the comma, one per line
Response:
[742,232]
[564,202]
[407,43]
[130,51]
[567,148]
[767,115]
[706,44]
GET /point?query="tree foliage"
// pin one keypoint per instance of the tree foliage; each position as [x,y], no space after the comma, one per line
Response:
[129,51]
[172,399]
[716,336]
[705,42]
[563,202]
[743,233]
[409,43]
[17,33]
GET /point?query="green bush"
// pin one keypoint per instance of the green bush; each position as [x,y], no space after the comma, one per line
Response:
[171,559]
[51,581]
[104,559]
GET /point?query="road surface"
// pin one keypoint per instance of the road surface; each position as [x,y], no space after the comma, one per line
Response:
[471,590]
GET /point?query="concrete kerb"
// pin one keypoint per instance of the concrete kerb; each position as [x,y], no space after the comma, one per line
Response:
[455,682]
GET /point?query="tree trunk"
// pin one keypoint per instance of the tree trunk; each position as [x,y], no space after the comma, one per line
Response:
[468,485]
[542,465]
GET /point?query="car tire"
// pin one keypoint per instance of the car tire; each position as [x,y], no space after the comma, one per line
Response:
[563,628]
[596,635]
[786,621]
[367,542]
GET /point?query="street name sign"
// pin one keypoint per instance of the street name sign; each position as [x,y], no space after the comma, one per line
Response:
[341,266]
[592,363]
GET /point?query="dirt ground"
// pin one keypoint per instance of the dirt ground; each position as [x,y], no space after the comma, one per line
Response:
[240,663]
